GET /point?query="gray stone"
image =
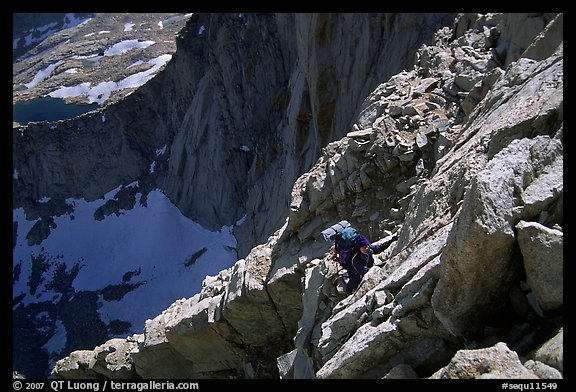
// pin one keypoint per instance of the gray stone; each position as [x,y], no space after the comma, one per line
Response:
[278,312]
[490,363]
[543,253]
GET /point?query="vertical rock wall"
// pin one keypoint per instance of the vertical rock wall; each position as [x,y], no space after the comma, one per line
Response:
[244,107]
[267,93]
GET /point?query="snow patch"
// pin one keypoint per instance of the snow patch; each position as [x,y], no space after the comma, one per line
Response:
[102,91]
[43,74]
[156,240]
[126,45]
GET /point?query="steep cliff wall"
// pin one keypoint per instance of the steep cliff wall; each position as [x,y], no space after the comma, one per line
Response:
[267,93]
[462,158]
[244,107]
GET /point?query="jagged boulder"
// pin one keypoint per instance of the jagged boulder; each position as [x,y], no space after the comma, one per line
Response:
[497,362]
[113,360]
[542,252]
[551,352]
[76,365]
[478,263]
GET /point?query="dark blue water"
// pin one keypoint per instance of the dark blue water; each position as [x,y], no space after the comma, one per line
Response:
[47,109]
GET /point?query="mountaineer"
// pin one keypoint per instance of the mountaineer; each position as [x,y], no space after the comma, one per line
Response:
[353,252]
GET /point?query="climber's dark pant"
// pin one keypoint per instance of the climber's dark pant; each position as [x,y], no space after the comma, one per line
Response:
[353,282]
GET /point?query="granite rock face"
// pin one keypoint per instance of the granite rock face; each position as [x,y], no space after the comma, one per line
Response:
[244,107]
[458,153]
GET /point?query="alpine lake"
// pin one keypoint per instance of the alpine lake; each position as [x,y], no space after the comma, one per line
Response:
[48,109]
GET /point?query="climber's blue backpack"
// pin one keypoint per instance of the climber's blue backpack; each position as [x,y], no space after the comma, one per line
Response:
[343,235]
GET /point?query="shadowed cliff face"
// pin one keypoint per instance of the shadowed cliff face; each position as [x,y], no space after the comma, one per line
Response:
[245,106]
[266,94]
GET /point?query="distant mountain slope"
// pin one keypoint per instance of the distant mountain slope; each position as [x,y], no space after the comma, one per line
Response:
[30,29]
[111,272]
[91,58]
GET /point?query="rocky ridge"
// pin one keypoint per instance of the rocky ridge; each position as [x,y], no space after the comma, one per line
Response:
[461,156]
[243,98]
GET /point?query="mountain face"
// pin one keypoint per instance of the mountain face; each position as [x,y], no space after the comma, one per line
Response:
[224,130]
[257,134]
[119,256]
[445,130]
